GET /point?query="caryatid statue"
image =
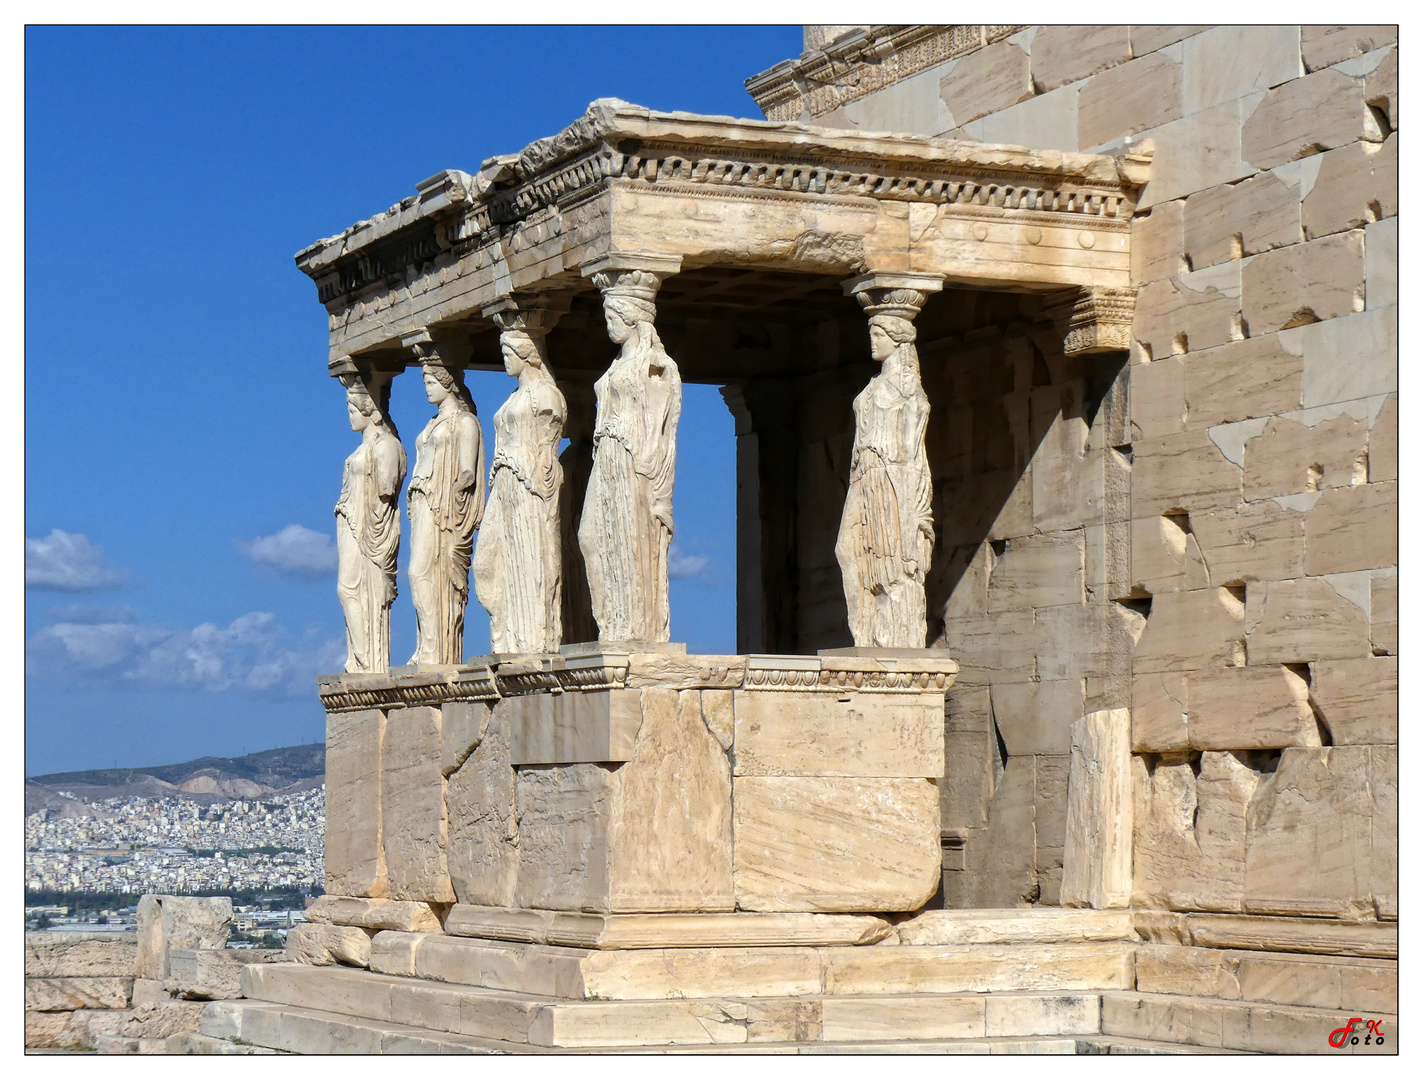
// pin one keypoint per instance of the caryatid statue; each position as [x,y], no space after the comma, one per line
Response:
[368,529]
[887,530]
[627,512]
[517,561]
[445,503]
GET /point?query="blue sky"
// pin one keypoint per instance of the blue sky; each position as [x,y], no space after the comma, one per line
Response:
[183,442]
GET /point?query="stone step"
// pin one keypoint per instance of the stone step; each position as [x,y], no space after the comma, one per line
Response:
[1337,983]
[190,1042]
[830,1020]
[654,931]
[415,1003]
[268,1028]
[514,1018]
[1269,933]
[637,974]
[1237,1025]
[126,1044]
[1015,926]
[297,1030]
[1104,1044]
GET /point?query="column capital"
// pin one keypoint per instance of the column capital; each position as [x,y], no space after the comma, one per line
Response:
[1092,319]
[892,279]
[889,293]
[533,314]
[445,346]
[663,266]
[343,368]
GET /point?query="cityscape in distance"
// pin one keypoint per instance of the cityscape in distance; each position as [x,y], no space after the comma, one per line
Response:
[250,827]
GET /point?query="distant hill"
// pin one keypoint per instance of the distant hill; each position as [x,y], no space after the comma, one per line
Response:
[206,779]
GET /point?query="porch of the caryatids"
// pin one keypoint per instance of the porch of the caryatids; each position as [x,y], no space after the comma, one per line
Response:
[886,533]
[626,528]
[518,559]
[445,501]
[368,519]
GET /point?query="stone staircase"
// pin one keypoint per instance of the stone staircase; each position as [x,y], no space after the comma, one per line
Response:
[946,982]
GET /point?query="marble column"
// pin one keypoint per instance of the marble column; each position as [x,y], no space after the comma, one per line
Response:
[886,533]
[445,501]
[518,560]
[626,528]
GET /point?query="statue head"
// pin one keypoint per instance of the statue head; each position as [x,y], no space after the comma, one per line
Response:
[888,333]
[628,300]
[521,350]
[363,409]
[446,384]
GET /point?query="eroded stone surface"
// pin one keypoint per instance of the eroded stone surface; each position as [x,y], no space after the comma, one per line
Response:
[835,844]
[320,944]
[60,954]
[669,835]
[563,814]
[1096,867]
[482,810]
[355,857]
[791,734]
[373,914]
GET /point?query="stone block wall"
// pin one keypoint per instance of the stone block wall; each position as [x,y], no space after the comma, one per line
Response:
[720,783]
[1242,525]
[78,987]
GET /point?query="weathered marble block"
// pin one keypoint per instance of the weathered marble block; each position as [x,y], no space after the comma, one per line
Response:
[651,835]
[813,843]
[355,860]
[412,794]
[606,784]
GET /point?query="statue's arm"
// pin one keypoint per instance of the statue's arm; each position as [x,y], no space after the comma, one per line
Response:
[470,448]
[390,468]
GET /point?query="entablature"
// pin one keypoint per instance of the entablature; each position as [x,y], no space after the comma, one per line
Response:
[716,191]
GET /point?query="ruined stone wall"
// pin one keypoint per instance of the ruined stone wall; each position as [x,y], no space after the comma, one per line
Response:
[1240,520]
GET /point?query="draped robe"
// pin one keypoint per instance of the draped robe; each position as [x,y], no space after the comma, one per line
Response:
[442,523]
[627,513]
[367,547]
[886,532]
[517,560]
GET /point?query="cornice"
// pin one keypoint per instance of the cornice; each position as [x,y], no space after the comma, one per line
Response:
[860,62]
[615,143]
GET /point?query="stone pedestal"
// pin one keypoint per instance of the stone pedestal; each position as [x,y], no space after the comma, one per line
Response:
[641,781]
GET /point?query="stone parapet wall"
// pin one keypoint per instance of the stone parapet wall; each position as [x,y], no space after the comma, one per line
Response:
[1216,531]
[665,783]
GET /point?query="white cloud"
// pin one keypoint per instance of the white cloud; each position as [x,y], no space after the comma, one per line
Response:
[682,565]
[295,551]
[250,654]
[67,562]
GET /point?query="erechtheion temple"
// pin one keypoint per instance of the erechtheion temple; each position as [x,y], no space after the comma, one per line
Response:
[1063,363]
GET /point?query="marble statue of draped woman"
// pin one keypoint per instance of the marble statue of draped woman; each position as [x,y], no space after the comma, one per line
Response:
[368,533]
[445,503]
[886,533]
[626,527]
[517,560]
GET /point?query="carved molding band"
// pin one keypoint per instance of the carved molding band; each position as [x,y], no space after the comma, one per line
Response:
[859,63]
[556,674]
[1093,320]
